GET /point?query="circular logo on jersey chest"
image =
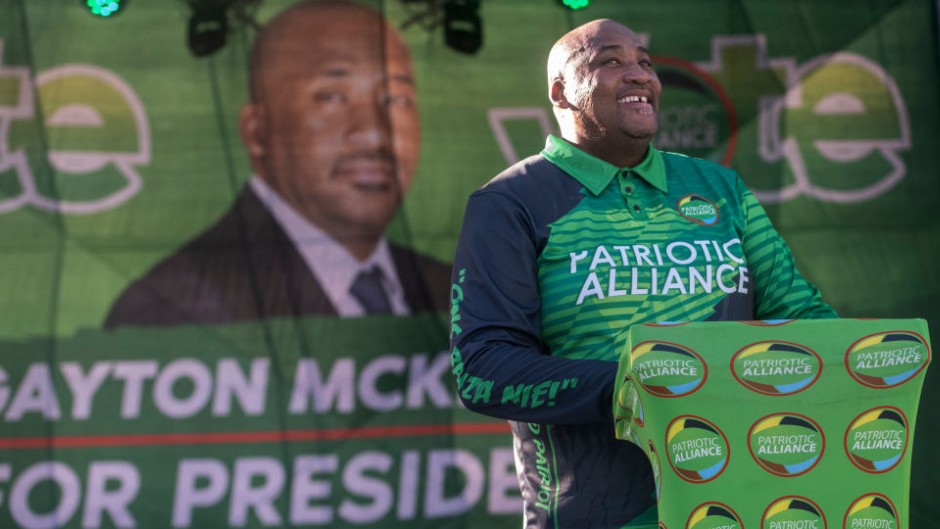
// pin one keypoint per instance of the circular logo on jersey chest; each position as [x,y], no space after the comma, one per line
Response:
[697,209]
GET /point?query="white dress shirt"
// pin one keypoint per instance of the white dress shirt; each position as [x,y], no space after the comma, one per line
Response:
[329,261]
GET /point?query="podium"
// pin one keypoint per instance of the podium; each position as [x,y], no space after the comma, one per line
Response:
[793,424]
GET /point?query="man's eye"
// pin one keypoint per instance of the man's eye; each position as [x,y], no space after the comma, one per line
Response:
[646,62]
[329,97]
[398,100]
[611,61]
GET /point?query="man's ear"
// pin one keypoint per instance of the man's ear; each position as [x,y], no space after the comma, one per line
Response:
[557,95]
[251,124]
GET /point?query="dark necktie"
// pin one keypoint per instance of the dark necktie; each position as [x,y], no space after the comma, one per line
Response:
[368,289]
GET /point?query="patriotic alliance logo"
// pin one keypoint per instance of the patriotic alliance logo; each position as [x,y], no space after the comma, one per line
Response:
[887,359]
[667,369]
[786,444]
[776,368]
[697,209]
[877,439]
[697,450]
[793,511]
[872,510]
[713,515]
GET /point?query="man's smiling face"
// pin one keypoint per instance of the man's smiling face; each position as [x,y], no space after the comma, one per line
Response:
[340,118]
[613,85]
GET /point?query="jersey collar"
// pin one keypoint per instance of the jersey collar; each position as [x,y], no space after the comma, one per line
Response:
[595,174]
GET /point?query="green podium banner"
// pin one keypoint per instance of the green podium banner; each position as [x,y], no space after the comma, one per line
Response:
[793,424]
[121,149]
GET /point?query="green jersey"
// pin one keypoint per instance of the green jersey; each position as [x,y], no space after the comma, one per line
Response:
[558,257]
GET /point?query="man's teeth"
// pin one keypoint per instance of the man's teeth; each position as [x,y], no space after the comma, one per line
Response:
[634,99]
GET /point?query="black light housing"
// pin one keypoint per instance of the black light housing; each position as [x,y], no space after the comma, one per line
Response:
[208,27]
[463,27]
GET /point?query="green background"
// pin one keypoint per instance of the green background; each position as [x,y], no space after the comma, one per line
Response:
[60,272]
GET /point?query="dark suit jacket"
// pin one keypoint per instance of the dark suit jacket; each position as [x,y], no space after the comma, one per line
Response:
[245,267]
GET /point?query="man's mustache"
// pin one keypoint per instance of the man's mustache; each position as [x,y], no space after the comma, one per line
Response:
[377,155]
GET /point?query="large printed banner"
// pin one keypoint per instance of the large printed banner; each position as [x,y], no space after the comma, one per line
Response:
[187,339]
[325,423]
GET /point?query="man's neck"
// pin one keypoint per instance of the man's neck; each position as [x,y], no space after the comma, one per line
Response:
[359,248]
[627,152]
[360,243]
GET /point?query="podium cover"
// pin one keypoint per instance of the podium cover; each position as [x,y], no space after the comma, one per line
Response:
[794,424]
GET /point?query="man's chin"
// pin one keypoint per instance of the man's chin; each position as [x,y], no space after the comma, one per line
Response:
[640,133]
[356,218]
[372,223]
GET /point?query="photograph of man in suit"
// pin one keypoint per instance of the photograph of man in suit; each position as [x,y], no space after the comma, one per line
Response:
[333,136]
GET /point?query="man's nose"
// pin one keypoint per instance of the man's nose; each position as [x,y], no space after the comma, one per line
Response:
[369,124]
[635,73]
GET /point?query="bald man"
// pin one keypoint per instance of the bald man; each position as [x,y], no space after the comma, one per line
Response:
[563,252]
[332,133]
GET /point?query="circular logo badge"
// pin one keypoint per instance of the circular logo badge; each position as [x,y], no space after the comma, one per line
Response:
[713,515]
[698,118]
[786,444]
[776,368]
[873,511]
[795,512]
[697,450]
[697,209]
[667,369]
[887,359]
[876,440]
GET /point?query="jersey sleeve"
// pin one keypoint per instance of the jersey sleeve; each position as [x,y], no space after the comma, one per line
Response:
[501,365]
[780,291]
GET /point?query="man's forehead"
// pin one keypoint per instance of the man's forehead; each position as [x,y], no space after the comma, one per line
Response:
[616,47]
[611,36]
[588,41]
[360,45]
[397,71]
[323,29]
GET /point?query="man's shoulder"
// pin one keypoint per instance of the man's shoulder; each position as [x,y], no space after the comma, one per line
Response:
[699,174]
[404,255]
[210,277]
[534,190]
[534,171]
[683,162]
[532,181]
[176,288]
[425,279]
[222,243]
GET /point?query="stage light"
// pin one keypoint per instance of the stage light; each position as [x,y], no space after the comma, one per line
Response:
[575,4]
[104,8]
[463,28]
[208,28]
